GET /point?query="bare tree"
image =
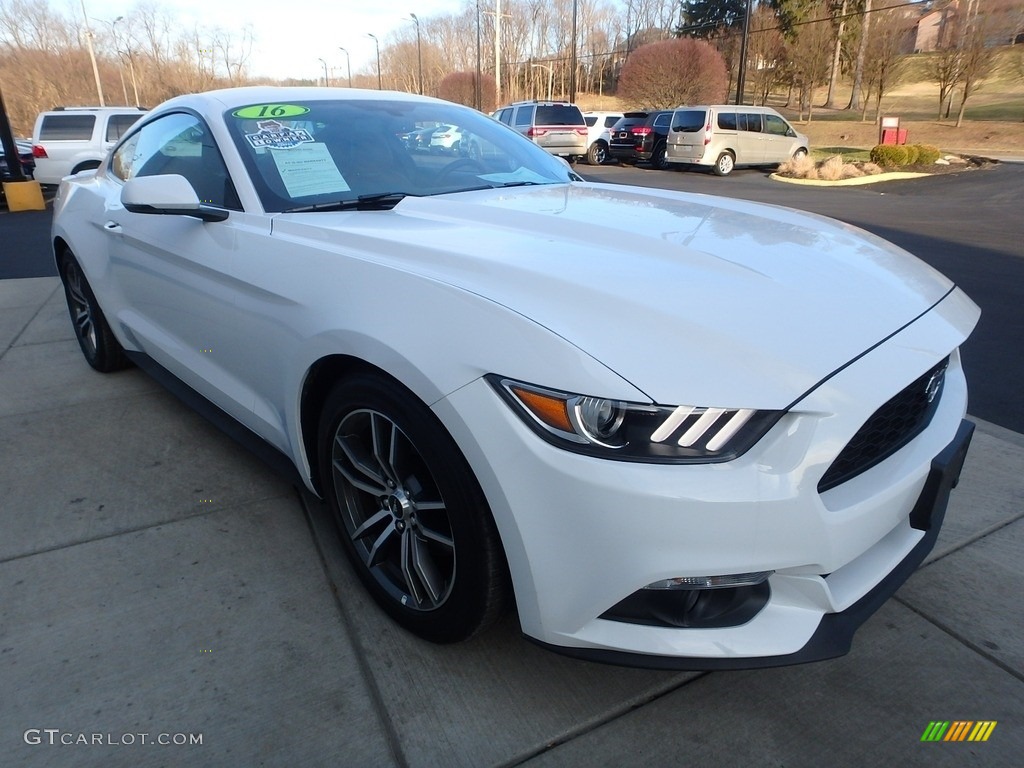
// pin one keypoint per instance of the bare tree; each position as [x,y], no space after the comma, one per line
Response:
[672,72]
[809,56]
[885,61]
[978,58]
[862,49]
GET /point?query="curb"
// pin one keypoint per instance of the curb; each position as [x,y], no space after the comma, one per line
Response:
[857,181]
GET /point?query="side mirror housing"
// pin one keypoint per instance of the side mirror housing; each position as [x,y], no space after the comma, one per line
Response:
[169,195]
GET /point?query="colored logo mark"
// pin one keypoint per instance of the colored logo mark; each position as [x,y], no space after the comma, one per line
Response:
[958,730]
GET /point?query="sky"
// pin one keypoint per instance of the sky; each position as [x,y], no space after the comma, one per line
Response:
[291,35]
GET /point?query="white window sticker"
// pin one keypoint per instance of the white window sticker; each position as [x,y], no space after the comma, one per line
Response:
[309,169]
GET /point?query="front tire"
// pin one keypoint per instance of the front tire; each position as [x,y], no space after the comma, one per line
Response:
[659,158]
[99,346]
[413,519]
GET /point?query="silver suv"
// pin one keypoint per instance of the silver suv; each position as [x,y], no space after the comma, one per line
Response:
[67,140]
[557,126]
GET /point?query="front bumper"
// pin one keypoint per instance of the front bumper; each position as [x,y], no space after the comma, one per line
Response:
[834,635]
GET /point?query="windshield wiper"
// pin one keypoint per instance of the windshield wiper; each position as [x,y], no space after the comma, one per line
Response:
[381,201]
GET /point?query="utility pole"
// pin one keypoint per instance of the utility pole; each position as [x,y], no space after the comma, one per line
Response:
[741,80]
[497,50]
[92,56]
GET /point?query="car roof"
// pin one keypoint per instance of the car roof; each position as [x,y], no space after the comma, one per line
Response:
[228,98]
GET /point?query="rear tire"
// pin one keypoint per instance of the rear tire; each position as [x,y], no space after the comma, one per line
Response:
[597,153]
[413,519]
[724,164]
[99,346]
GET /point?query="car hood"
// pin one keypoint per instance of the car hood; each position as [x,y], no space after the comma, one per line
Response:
[693,299]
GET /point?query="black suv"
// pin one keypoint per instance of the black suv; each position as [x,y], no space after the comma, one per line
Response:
[640,136]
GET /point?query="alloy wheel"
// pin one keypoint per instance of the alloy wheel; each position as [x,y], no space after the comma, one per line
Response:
[392,510]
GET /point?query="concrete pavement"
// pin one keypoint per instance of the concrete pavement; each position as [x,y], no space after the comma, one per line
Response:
[157,579]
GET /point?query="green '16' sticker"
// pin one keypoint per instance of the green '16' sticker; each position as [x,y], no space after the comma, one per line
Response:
[270,110]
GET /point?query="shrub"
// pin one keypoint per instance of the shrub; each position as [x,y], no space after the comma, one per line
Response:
[889,155]
[831,169]
[928,154]
[671,72]
[913,152]
[800,167]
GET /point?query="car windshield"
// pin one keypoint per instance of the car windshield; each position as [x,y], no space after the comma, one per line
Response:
[313,155]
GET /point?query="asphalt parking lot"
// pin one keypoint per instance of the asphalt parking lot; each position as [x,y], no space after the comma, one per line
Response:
[158,580]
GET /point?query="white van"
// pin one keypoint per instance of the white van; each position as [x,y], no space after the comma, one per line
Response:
[724,136]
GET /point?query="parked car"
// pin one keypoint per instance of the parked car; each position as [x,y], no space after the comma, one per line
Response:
[556,126]
[24,154]
[622,144]
[599,126]
[684,431]
[644,141]
[446,138]
[72,139]
[723,137]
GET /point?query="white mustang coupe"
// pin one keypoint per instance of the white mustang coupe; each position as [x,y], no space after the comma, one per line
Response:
[673,430]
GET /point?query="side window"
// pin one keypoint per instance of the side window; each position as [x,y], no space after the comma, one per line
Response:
[753,122]
[181,144]
[118,125]
[662,121]
[68,127]
[524,115]
[591,120]
[506,116]
[727,121]
[610,121]
[776,126]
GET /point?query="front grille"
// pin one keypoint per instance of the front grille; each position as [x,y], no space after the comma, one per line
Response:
[890,428]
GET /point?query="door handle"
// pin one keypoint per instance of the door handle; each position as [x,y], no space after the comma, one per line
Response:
[112,227]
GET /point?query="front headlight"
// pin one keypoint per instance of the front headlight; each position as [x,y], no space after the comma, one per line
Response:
[635,431]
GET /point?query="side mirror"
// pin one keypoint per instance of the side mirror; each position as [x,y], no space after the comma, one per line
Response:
[169,195]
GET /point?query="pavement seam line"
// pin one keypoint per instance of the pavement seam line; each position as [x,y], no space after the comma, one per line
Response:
[38,311]
[629,706]
[970,644]
[973,539]
[390,733]
[139,529]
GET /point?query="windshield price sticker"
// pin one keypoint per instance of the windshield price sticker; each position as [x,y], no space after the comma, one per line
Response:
[259,111]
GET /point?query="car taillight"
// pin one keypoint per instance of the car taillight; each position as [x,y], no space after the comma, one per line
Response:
[535,132]
[641,130]
[581,131]
[38,151]
[707,134]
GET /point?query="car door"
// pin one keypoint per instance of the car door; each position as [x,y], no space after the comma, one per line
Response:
[781,141]
[750,139]
[175,273]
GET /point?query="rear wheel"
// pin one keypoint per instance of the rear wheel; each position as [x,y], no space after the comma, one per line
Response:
[724,164]
[99,346]
[413,519]
[597,153]
[800,154]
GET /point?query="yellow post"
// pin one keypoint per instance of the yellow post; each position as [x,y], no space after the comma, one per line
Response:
[24,196]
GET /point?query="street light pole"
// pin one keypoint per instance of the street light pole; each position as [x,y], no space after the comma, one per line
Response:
[476,85]
[348,65]
[376,42]
[92,56]
[120,69]
[419,50]
[327,80]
